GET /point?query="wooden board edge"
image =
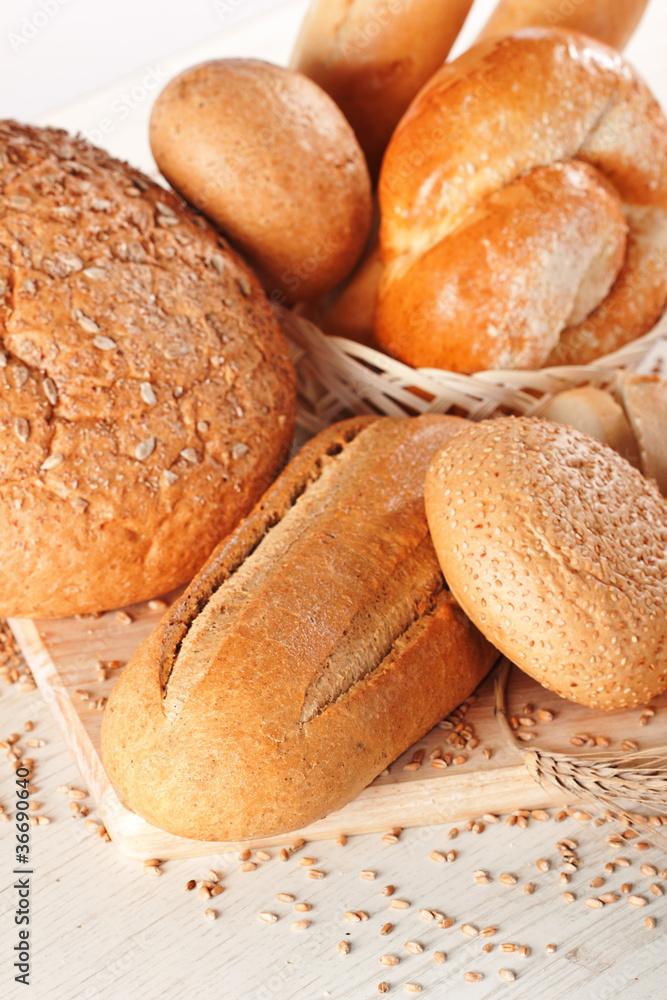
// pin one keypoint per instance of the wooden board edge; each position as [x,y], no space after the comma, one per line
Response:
[375,810]
[378,807]
[55,694]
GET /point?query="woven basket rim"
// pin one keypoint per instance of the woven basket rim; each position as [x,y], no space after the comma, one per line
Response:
[337,377]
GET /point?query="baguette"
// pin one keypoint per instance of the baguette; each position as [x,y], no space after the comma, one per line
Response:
[372,56]
[611,23]
[317,644]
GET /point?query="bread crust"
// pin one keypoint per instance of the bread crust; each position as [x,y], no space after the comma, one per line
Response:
[147,397]
[556,548]
[611,23]
[644,399]
[315,646]
[373,56]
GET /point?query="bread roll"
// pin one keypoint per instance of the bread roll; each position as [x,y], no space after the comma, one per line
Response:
[644,399]
[372,56]
[556,548]
[596,413]
[318,643]
[266,155]
[609,22]
[524,207]
[352,313]
[146,393]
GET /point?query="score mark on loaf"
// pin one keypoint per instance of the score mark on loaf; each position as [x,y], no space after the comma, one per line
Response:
[317,644]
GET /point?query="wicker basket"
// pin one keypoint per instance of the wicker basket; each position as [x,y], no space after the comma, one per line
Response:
[339,378]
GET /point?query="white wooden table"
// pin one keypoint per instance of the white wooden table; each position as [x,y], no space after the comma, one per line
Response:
[103,929]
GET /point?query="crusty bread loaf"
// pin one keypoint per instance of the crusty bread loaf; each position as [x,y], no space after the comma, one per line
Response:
[610,21]
[316,645]
[372,56]
[557,549]
[524,209]
[146,393]
[268,156]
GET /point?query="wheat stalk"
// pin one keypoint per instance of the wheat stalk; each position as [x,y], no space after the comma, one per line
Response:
[613,784]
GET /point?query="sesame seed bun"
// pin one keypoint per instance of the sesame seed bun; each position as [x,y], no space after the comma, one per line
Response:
[556,548]
[596,413]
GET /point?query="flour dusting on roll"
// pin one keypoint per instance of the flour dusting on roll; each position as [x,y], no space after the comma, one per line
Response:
[524,207]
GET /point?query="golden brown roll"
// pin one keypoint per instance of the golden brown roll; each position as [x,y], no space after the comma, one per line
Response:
[524,209]
[318,643]
[147,397]
[351,314]
[265,154]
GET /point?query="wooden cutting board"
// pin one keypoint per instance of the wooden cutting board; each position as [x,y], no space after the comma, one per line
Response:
[64,656]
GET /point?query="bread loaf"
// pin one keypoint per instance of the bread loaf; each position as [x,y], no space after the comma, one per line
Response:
[610,22]
[372,56]
[316,645]
[524,209]
[557,549]
[146,393]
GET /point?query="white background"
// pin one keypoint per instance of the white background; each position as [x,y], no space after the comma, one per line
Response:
[87,44]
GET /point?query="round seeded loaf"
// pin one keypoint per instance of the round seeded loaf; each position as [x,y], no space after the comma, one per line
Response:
[146,393]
